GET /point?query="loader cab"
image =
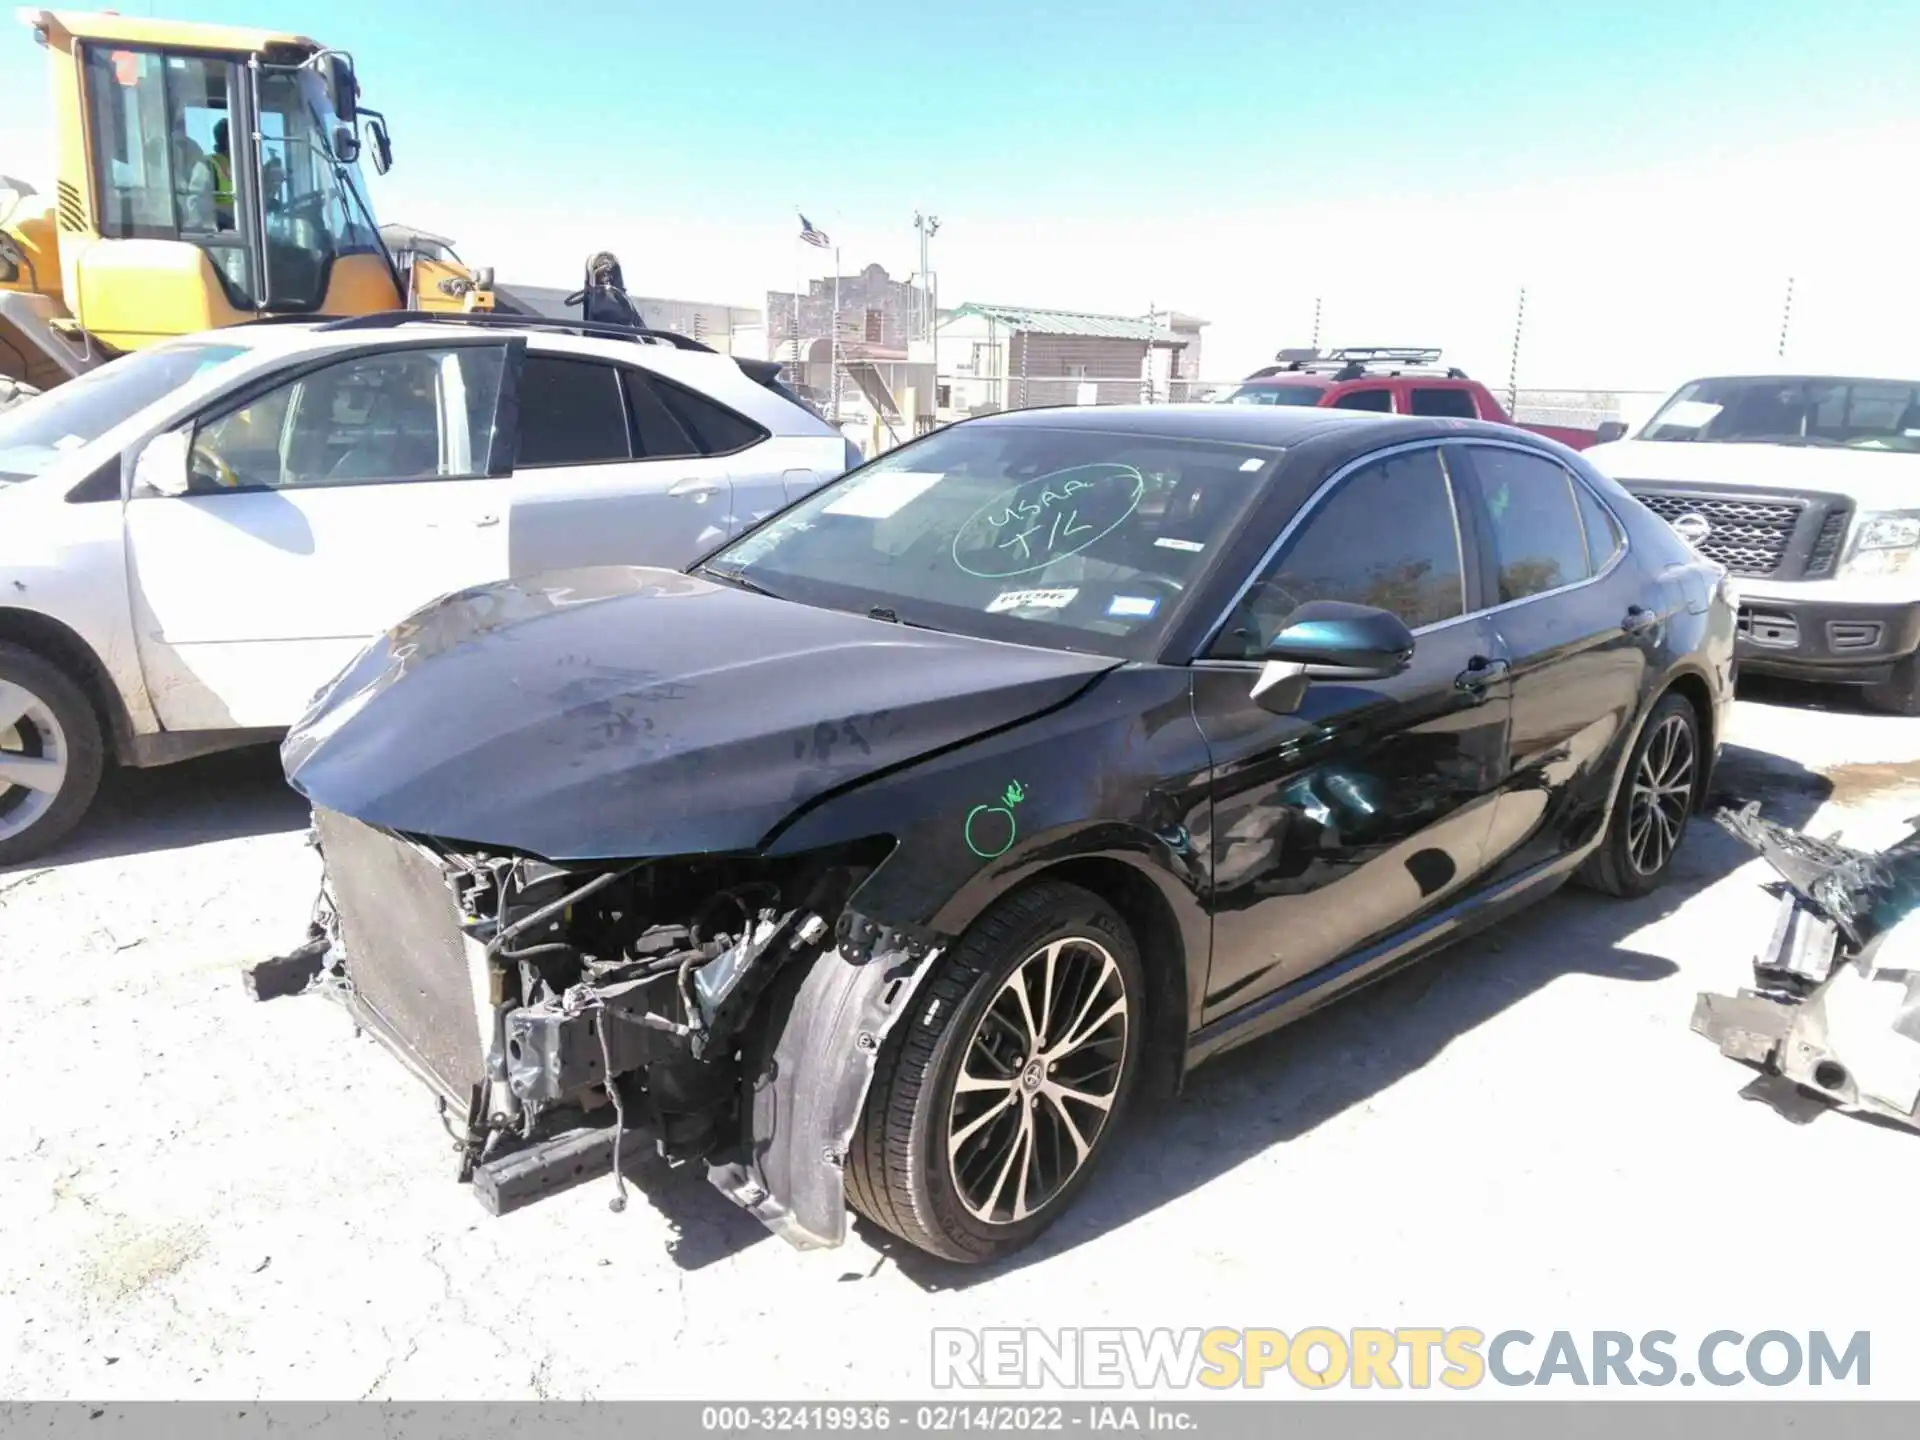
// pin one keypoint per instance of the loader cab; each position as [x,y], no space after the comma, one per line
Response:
[209,176]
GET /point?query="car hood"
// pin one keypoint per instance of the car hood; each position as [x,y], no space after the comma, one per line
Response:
[1874,479]
[625,713]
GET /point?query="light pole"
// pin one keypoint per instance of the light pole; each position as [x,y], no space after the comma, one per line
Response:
[928,226]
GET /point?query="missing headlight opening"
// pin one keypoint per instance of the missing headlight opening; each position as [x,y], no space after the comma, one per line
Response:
[562,1012]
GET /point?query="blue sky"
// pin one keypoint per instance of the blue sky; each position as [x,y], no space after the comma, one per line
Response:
[1105,155]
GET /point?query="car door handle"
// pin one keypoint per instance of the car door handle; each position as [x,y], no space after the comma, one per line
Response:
[696,486]
[1481,672]
[1638,618]
[482,521]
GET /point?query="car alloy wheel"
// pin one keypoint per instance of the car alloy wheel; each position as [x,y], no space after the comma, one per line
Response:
[1038,1080]
[969,1146]
[34,759]
[1662,795]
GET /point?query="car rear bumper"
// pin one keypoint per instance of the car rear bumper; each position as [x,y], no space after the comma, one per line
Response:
[1824,640]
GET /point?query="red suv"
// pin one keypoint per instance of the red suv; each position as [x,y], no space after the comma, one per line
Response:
[1389,380]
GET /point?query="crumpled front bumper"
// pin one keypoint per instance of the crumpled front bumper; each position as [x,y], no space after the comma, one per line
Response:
[396,944]
[1833,1018]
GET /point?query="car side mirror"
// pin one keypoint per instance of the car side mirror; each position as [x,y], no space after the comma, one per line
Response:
[162,467]
[346,143]
[1330,640]
[1609,431]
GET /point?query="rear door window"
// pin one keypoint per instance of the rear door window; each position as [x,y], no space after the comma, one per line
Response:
[1603,531]
[1372,397]
[571,413]
[658,433]
[1444,401]
[1538,538]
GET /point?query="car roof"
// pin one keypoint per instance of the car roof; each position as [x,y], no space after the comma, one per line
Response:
[281,337]
[1293,377]
[1285,426]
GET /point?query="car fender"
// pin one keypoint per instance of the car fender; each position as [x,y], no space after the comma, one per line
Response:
[806,1074]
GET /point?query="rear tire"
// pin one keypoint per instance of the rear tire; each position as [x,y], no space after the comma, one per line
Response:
[1652,806]
[51,754]
[1899,693]
[1034,1112]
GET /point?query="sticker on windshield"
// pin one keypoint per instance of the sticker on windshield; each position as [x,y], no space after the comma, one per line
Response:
[1132,607]
[1252,464]
[69,442]
[1690,414]
[878,497]
[1192,547]
[1030,600]
[1050,517]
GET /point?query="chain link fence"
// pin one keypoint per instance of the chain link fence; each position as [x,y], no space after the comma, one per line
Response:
[980,395]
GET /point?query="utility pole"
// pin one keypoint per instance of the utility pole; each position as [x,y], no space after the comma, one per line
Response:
[1146,384]
[1316,322]
[1786,318]
[928,226]
[1513,366]
[833,345]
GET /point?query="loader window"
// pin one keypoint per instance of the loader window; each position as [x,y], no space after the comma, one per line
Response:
[162,154]
[316,207]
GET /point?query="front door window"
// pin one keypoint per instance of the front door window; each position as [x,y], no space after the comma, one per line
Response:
[394,416]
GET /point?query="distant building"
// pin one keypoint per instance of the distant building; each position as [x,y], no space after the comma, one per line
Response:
[708,322]
[1010,357]
[875,309]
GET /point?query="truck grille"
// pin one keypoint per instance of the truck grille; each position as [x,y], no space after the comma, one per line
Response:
[1749,537]
[407,956]
[1826,545]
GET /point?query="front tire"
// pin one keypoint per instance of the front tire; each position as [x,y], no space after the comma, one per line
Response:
[1652,807]
[51,754]
[993,1100]
[1899,693]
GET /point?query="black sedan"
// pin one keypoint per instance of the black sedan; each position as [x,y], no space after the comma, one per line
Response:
[883,856]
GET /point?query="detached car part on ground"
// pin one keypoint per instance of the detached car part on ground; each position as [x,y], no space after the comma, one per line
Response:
[880,859]
[1833,1020]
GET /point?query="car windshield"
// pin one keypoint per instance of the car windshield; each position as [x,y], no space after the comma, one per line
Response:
[1076,539]
[34,436]
[1794,410]
[1275,395]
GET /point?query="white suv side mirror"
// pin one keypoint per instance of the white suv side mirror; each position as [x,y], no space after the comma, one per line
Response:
[162,466]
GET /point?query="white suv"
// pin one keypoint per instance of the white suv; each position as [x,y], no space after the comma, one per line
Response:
[1807,489]
[195,538]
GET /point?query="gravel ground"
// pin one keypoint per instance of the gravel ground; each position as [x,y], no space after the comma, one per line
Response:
[201,1197]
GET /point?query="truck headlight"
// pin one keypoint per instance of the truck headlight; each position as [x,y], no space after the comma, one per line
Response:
[1885,542]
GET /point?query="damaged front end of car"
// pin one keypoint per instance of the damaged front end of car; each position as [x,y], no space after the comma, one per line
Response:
[727,1008]
[1833,1019]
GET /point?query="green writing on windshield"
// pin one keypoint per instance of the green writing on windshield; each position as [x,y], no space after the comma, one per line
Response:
[1051,517]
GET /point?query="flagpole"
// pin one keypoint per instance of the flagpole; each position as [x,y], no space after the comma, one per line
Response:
[833,350]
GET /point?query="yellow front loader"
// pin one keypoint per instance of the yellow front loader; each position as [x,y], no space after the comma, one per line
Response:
[206,176]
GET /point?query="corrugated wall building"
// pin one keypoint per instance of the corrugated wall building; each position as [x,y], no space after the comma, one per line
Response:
[1007,357]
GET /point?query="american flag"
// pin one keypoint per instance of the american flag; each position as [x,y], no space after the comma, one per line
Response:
[812,236]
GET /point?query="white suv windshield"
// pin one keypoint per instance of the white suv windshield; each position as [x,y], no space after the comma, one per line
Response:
[1074,538]
[1794,410]
[35,435]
